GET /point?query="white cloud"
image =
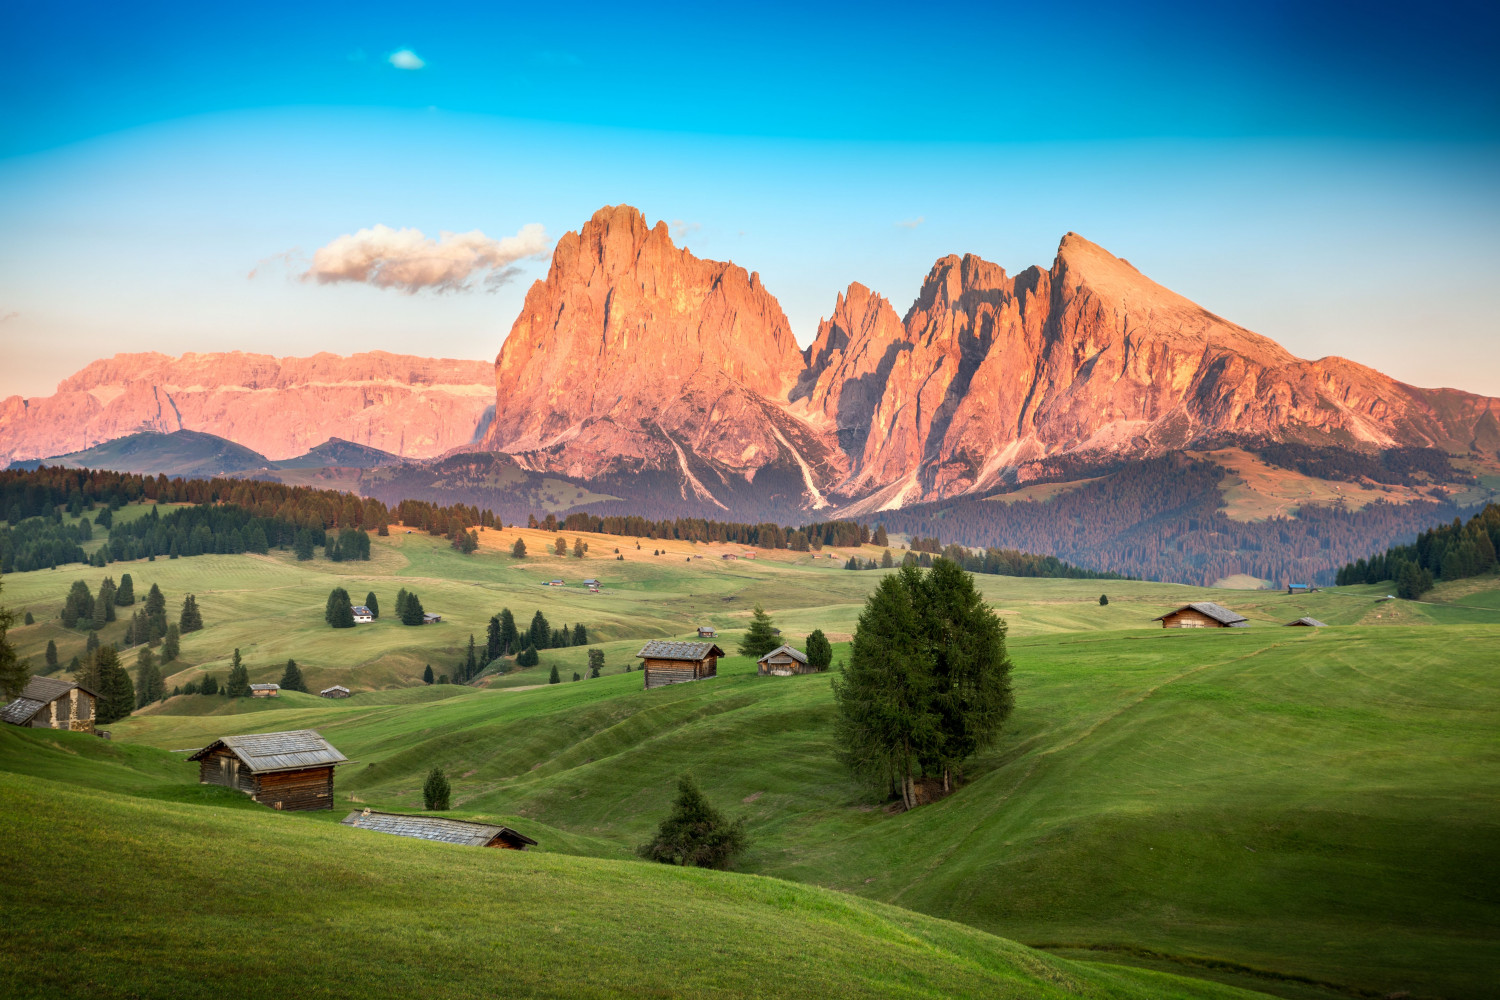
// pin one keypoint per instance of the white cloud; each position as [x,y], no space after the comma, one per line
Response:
[911,223]
[407,260]
[681,229]
[406,59]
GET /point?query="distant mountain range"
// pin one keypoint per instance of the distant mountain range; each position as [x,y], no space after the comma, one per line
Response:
[639,378]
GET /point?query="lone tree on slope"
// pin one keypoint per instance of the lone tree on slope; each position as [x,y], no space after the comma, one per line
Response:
[695,833]
[760,638]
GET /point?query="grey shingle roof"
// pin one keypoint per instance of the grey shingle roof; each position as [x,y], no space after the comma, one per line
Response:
[265,687]
[39,691]
[440,829]
[799,657]
[1309,621]
[20,711]
[264,752]
[1217,612]
[663,649]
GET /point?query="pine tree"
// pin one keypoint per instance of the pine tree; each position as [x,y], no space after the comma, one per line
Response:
[171,646]
[302,544]
[338,612]
[519,549]
[596,662]
[79,606]
[760,638]
[238,685]
[540,633]
[125,592]
[51,656]
[578,548]
[15,672]
[1103,600]
[435,790]
[527,657]
[880,538]
[156,604]
[508,634]
[412,613]
[116,693]
[580,635]
[427,675]
[576,677]
[29,620]
[492,644]
[104,604]
[400,603]
[695,833]
[373,605]
[291,678]
[148,681]
[471,660]
[210,685]
[553,678]
[886,562]
[92,644]
[819,650]
[191,619]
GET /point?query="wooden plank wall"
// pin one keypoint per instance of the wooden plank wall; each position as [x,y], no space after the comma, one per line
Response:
[310,788]
[1190,618]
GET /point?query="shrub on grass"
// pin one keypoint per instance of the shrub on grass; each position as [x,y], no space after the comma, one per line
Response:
[435,791]
[695,834]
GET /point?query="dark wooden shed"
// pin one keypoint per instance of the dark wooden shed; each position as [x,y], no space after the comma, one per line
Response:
[440,829]
[667,662]
[291,770]
[1202,614]
[784,661]
[49,703]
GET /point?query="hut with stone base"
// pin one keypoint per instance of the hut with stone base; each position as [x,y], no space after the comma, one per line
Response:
[49,703]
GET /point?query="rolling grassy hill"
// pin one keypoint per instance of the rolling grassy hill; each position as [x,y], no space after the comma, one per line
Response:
[1274,808]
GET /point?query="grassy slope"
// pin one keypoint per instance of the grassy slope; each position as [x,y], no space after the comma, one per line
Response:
[280,906]
[1311,803]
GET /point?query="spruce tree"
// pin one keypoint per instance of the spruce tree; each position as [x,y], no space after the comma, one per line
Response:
[435,790]
[191,619]
[156,605]
[148,683]
[373,604]
[427,674]
[695,833]
[338,612]
[508,633]
[210,685]
[92,644]
[15,672]
[1103,600]
[51,656]
[125,592]
[553,678]
[116,693]
[527,657]
[759,638]
[29,619]
[291,678]
[580,635]
[171,645]
[238,685]
[471,660]
[412,613]
[819,650]
[79,606]
[492,645]
[540,633]
[519,549]
[596,662]
[104,604]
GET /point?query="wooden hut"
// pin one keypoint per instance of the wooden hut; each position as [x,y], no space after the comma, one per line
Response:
[707,632]
[1308,622]
[440,829]
[265,690]
[783,661]
[292,770]
[49,703]
[1202,614]
[669,662]
[337,691]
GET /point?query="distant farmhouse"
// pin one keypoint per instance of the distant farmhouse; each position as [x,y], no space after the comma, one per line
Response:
[291,770]
[362,615]
[48,703]
[337,691]
[669,662]
[1309,622]
[428,618]
[707,632]
[1202,614]
[1300,588]
[445,831]
[265,690]
[783,661]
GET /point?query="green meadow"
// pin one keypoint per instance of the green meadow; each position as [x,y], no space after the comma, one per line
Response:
[1301,812]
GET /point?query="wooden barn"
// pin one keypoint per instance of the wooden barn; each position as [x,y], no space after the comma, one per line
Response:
[437,828]
[1308,622]
[265,690]
[783,661]
[48,703]
[337,691]
[707,632]
[1202,614]
[292,770]
[667,662]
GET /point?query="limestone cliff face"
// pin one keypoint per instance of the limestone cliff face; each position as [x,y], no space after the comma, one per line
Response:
[280,407]
[635,354]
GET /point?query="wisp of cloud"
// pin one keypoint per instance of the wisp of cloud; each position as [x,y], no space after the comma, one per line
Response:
[406,59]
[409,261]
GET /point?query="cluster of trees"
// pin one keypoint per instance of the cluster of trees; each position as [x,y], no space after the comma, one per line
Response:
[693,529]
[1450,552]
[504,638]
[995,562]
[1161,519]
[1407,466]
[148,625]
[928,680]
[42,542]
[228,530]
[761,636]
[409,610]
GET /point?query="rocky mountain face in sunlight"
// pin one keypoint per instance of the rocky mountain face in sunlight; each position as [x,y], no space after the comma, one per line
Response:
[280,407]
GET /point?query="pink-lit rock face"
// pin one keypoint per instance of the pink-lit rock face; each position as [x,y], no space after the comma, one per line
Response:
[280,407]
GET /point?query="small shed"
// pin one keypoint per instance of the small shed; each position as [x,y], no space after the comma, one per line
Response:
[265,690]
[440,829]
[668,662]
[591,582]
[1300,588]
[783,661]
[49,703]
[428,618]
[1309,622]
[337,691]
[291,770]
[1202,614]
[707,632]
[554,583]
[362,614]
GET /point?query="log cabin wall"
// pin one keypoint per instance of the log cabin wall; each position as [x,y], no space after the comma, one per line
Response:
[309,788]
[1190,618]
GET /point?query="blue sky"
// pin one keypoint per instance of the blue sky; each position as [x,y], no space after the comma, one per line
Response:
[1328,177]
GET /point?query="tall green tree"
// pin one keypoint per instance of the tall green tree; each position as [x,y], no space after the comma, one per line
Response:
[554,678]
[518,550]
[156,607]
[427,675]
[819,650]
[15,672]
[694,833]
[116,693]
[580,635]
[492,646]
[171,644]
[191,619]
[435,790]
[104,604]
[596,661]
[578,548]
[50,658]
[412,613]
[125,592]
[79,606]
[540,633]
[401,596]
[760,638]
[210,685]
[373,604]
[238,685]
[338,612]
[560,547]
[1103,600]
[149,686]
[291,678]
[471,660]
[508,633]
